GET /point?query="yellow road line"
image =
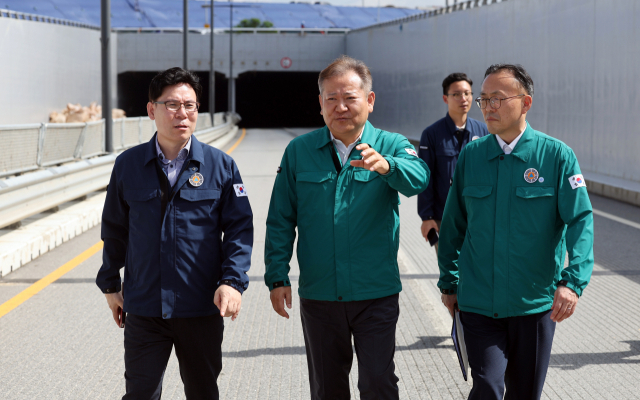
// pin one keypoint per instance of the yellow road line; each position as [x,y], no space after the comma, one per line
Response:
[47,280]
[244,133]
[55,275]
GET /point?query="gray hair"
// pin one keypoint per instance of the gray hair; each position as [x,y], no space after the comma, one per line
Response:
[341,66]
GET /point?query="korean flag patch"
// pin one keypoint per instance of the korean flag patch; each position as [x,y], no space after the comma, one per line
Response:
[412,152]
[240,190]
[577,181]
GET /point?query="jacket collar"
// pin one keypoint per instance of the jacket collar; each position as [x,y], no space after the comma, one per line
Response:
[451,126]
[195,153]
[368,135]
[523,149]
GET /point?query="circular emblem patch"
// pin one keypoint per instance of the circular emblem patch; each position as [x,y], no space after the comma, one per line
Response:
[196,179]
[475,138]
[531,175]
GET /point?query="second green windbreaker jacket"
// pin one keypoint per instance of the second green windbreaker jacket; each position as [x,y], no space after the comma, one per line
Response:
[509,221]
[348,223]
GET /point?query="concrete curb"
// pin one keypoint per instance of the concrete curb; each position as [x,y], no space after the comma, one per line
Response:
[31,241]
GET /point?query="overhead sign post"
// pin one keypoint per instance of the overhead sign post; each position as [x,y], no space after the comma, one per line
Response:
[185,34]
[105,40]
[212,75]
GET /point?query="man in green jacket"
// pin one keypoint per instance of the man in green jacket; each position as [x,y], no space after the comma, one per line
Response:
[517,204]
[339,186]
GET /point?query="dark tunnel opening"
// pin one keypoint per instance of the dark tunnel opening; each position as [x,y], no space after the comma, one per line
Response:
[133,88]
[263,99]
[278,99]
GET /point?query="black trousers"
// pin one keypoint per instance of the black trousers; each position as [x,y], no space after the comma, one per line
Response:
[512,351]
[328,327]
[147,346]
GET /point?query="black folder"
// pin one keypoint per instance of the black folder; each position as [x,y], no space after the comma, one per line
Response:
[457,334]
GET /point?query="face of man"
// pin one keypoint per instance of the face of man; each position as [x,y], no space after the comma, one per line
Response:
[345,105]
[510,118]
[459,98]
[174,127]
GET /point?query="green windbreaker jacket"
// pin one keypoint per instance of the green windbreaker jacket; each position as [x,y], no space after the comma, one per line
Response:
[348,223]
[508,222]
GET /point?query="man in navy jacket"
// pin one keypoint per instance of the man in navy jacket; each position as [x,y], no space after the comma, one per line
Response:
[169,203]
[441,144]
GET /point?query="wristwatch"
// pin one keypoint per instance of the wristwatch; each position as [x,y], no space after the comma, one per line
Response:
[562,283]
[448,291]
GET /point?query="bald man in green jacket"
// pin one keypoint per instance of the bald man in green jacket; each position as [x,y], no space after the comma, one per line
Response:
[517,204]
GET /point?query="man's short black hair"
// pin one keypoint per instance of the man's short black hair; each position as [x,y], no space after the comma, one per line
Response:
[170,77]
[518,72]
[453,78]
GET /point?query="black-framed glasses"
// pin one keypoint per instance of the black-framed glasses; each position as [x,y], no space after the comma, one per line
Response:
[458,95]
[189,106]
[495,102]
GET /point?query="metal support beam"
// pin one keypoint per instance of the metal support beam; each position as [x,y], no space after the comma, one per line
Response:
[212,74]
[185,34]
[105,27]
[231,96]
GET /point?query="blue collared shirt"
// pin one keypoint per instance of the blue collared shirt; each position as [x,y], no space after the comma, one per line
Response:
[172,168]
[440,148]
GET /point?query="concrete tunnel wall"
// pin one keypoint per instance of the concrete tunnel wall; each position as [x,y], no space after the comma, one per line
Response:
[583,56]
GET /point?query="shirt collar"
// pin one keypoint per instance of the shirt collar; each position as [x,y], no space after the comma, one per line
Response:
[352,144]
[523,151]
[511,145]
[182,155]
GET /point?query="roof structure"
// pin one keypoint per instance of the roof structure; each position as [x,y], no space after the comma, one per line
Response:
[168,13]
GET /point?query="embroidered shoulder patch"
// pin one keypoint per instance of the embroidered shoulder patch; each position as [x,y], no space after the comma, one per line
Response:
[240,190]
[577,181]
[411,151]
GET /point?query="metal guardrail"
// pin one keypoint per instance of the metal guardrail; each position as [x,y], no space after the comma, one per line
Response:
[43,18]
[461,5]
[206,31]
[29,194]
[34,146]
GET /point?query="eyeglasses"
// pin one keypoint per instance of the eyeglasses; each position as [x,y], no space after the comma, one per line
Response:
[189,106]
[458,95]
[495,101]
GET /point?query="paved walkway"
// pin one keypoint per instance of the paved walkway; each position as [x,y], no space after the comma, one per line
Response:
[63,344]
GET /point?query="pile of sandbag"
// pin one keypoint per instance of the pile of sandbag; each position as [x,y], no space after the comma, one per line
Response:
[78,113]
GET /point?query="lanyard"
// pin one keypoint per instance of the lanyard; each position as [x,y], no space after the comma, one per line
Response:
[334,157]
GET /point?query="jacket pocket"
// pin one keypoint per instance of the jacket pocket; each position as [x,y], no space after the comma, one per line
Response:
[196,211]
[199,194]
[314,176]
[477,192]
[479,205]
[131,195]
[534,192]
[362,175]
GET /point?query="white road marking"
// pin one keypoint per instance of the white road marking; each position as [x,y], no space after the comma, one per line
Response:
[617,219]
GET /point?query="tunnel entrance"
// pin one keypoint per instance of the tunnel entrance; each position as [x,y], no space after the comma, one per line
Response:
[278,99]
[133,89]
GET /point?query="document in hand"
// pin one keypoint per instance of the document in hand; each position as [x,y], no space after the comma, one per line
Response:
[457,334]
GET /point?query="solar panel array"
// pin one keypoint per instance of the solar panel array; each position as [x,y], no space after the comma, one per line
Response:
[168,13]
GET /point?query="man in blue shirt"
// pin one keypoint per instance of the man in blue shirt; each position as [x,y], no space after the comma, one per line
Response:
[440,146]
[169,203]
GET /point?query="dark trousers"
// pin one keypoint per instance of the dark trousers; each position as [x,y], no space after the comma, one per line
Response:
[512,351]
[328,327]
[147,346]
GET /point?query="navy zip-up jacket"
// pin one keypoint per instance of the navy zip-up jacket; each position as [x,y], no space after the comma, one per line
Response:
[170,240]
[440,149]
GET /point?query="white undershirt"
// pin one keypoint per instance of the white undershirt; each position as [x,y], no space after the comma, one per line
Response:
[508,148]
[344,150]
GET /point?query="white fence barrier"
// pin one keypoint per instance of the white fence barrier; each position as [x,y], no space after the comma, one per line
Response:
[29,194]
